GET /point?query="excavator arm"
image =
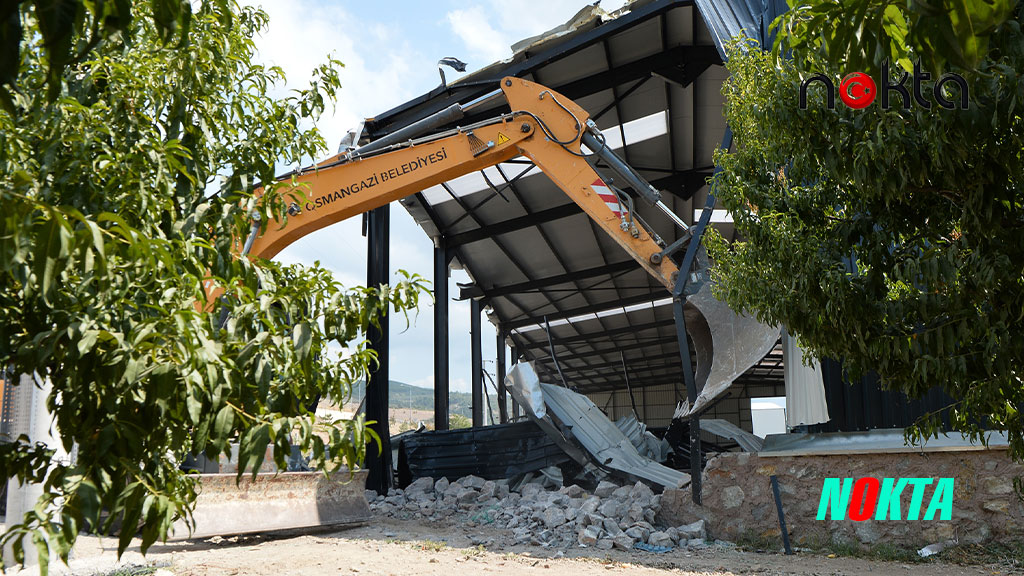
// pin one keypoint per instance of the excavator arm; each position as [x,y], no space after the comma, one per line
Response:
[543,126]
[559,138]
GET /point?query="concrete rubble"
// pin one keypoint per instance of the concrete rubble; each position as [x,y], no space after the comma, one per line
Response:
[612,516]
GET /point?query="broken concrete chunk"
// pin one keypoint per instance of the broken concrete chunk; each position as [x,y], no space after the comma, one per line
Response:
[673,534]
[554,517]
[488,490]
[556,499]
[588,536]
[605,544]
[420,485]
[693,530]
[622,492]
[530,491]
[610,508]
[635,513]
[611,527]
[590,505]
[573,491]
[660,539]
[466,496]
[441,486]
[641,491]
[605,489]
[623,542]
[637,533]
[472,482]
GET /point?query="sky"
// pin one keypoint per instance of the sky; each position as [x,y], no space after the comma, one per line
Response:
[390,50]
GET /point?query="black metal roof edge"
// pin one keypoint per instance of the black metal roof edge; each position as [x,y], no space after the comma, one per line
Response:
[479,86]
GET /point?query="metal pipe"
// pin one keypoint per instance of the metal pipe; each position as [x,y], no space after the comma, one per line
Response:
[486,98]
[450,114]
[672,215]
[649,193]
[446,116]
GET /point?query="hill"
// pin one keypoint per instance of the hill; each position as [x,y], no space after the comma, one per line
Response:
[409,397]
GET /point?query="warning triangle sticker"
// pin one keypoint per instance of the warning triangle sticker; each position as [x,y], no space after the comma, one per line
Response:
[502,138]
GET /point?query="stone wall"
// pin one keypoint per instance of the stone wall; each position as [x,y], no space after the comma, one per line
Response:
[738,503]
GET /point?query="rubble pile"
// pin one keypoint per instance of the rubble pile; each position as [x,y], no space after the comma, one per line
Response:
[612,516]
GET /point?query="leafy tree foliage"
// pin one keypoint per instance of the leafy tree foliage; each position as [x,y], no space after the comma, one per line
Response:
[70,29]
[121,197]
[893,239]
[858,34]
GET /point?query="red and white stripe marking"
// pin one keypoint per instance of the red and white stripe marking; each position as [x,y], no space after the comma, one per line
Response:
[610,200]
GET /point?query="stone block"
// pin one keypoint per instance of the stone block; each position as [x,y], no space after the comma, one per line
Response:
[588,536]
[623,542]
[605,489]
[660,539]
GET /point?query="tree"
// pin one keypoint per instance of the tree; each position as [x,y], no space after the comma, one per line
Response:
[121,196]
[888,238]
[71,29]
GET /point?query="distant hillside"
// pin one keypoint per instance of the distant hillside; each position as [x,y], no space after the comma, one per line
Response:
[407,396]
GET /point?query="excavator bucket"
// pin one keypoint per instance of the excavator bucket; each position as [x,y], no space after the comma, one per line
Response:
[727,344]
[273,502]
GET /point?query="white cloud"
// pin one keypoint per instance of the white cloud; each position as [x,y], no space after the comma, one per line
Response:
[473,27]
[377,68]
[390,55]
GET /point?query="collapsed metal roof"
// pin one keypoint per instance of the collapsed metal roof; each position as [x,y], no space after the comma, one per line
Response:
[650,75]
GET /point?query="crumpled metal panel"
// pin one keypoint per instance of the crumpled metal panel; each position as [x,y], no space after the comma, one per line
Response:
[524,385]
[647,444]
[747,441]
[737,343]
[632,428]
[603,440]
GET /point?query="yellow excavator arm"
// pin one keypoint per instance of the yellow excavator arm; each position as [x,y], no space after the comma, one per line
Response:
[543,126]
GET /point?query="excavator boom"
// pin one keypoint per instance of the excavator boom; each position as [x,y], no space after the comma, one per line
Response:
[553,132]
[543,126]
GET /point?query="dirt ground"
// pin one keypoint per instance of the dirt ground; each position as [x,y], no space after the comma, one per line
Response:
[402,547]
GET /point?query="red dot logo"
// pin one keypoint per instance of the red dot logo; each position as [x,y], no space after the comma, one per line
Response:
[857,90]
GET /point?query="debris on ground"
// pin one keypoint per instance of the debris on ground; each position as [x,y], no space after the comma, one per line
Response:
[611,516]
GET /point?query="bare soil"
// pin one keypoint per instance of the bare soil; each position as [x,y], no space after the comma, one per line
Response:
[405,547]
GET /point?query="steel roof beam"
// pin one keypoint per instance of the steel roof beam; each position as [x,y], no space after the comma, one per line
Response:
[513,225]
[562,315]
[499,291]
[590,337]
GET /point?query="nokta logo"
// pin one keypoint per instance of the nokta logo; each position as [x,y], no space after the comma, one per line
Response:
[869,497]
[858,90]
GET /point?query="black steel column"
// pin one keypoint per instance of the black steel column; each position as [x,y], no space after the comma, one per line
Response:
[441,261]
[380,477]
[500,372]
[477,379]
[515,404]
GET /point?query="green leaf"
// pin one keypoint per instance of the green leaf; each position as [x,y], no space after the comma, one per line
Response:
[50,252]
[223,424]
[302,338]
